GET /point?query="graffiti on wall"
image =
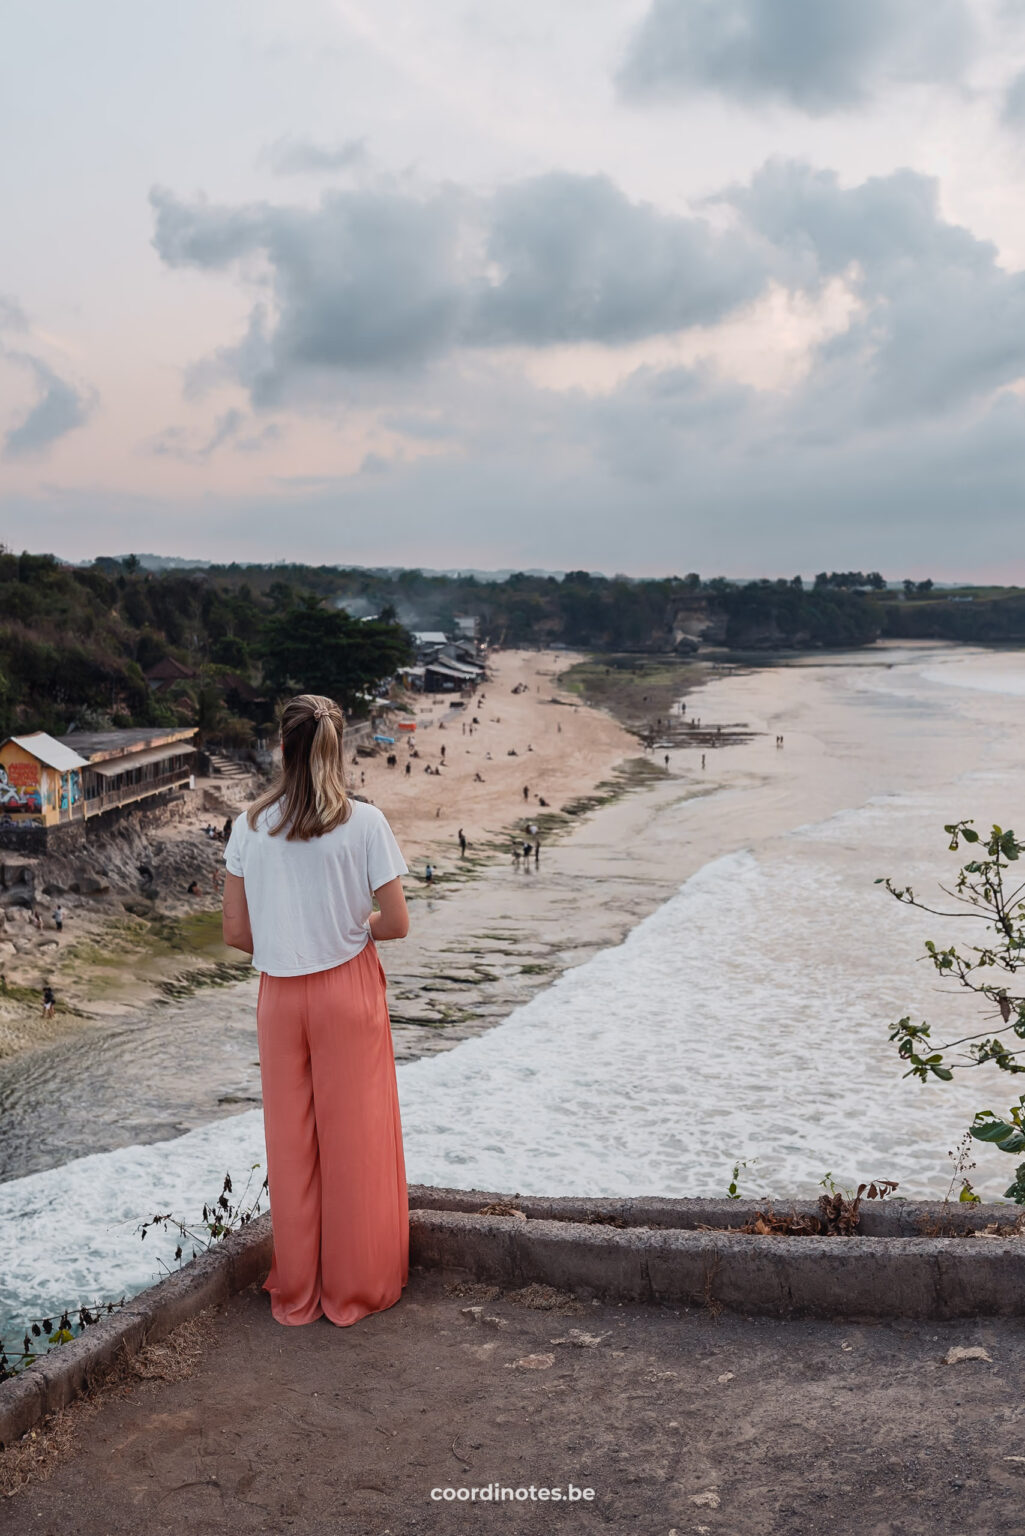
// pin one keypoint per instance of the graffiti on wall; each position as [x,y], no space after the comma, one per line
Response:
[71,784]
[20,789]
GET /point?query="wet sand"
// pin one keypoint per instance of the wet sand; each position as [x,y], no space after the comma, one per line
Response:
[110,962]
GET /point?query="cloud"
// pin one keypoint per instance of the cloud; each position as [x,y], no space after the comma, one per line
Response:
[367,280]
[373,284]
[940,321]
[384,280]
[1013,110]
[12,316]
[578,261]
[300,157]
[177,443]
[257,441]
[59,409]
[817,56]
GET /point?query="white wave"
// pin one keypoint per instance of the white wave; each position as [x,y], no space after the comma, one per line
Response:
[746,1018]
[983,679]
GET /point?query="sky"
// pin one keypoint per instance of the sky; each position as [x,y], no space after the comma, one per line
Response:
[642,286]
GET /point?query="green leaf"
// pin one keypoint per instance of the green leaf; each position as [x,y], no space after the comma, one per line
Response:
[943,1072]
[992,1130]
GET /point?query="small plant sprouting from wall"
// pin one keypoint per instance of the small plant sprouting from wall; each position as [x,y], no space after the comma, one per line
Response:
[220,1218]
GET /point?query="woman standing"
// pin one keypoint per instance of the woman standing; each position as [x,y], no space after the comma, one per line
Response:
[304,866]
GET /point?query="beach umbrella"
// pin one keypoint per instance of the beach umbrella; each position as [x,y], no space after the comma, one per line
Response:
[389,741]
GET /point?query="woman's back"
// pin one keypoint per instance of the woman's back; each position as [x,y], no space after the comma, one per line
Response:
[310,899]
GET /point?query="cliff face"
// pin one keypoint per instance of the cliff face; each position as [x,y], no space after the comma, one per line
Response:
[697,623]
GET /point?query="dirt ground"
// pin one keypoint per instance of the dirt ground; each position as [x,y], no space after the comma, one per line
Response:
[680,1422]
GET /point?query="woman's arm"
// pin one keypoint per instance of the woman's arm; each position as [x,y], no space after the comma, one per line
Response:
[235,915]
[392,921]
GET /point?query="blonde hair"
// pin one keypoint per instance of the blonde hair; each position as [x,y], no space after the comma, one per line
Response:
[309,792]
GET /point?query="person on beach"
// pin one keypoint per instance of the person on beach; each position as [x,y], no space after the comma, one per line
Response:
[305,863]
[462,843]
[58,918]
[48,1002]
[429,874]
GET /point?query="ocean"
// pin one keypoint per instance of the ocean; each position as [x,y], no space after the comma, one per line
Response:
[745,1020]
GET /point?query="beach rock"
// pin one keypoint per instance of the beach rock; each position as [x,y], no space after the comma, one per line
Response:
[709,1500]
[89,885]
[958,1352]
[53,889]
[138,908]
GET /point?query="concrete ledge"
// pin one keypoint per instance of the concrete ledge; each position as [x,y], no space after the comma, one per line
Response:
[830,1277]
[879,1218]
[644,1249]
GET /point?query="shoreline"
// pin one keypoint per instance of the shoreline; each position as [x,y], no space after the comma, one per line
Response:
[112,963]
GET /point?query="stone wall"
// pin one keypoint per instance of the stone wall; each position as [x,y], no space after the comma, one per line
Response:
[66,837]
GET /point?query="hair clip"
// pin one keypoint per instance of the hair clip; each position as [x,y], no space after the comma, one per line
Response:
[320,712]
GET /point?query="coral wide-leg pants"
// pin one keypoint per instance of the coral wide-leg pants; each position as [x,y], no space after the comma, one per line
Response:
[335,1167]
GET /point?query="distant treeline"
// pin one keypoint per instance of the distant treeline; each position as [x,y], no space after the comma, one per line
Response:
[76,641]
[583,611]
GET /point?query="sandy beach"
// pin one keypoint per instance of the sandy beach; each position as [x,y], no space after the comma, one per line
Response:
[116,955]
[700,970]
[541,739]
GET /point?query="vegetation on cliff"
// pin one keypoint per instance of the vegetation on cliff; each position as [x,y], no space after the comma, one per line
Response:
[76,642]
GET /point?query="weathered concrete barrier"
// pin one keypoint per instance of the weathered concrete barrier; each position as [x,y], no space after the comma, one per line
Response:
[877,1218]
[645,1249]
[827,1277]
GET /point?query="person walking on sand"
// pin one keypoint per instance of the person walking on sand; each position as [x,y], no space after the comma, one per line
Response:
[462,843]
[58,918]
[429,874]
[48,1002]
[305,864]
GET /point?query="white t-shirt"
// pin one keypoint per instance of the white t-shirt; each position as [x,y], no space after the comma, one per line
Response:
[309,902]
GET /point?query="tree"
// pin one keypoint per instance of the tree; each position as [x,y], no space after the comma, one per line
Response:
[312,649]
[985,891]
